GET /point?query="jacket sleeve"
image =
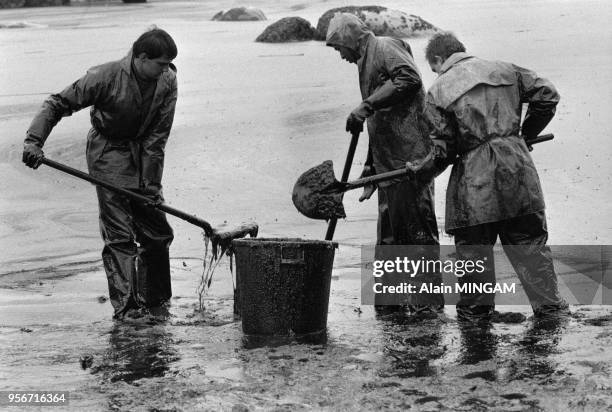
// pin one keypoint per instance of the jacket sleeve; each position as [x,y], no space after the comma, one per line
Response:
[443,134]
[84,92]
[153,146]
[400,75]
[542,98]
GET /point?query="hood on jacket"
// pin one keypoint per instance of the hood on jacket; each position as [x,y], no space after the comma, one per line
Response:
[346,30]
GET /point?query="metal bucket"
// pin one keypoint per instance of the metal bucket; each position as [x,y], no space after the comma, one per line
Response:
[282,285]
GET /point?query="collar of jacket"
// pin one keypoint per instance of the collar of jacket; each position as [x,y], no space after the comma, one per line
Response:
[452,60]
[452,84]
[162,84]
[363,43]
[126,63]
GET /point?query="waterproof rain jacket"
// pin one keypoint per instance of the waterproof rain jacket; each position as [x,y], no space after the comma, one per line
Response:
[398,129]
[391,86]
[474,107]
[125,145]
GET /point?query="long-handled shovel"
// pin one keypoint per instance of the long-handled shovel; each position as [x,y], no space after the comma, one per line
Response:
[218,238]
[331,227]
[318,195]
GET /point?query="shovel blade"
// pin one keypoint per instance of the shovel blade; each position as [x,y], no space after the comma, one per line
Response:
[314,196]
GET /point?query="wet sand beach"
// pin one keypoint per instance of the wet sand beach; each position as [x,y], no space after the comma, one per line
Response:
[250,119]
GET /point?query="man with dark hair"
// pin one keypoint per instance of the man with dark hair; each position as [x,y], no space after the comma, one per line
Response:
[132,108]
[393,104]
[474,107]
[444,45]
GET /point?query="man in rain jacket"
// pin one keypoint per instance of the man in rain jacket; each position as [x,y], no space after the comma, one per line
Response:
[393,104]
[133,102]
[474,107]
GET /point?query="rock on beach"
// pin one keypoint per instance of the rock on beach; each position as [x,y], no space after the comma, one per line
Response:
[287,29]
[240,14]
[382,21]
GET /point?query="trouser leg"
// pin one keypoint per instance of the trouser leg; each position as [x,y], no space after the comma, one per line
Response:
[524,240]
[476,243]
[407,217]
[119,253]
[154,236]
[384,237]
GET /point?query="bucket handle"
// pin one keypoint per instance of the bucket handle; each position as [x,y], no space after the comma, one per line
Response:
[299,260]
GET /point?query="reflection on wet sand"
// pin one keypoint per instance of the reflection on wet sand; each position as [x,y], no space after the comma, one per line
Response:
[411,347]
[478,343]
[271,341]
[410,344]
[539,341]
[527,358]
[137,350]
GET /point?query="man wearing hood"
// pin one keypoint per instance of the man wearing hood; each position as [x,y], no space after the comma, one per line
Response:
[393,104]
[132,108]
[494,190]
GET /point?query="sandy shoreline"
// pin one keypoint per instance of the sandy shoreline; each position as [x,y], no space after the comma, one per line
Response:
[250,119]
[287,114]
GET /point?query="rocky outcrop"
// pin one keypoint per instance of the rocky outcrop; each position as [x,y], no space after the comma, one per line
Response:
[11,4]
[42,3]
[382,21]
[286,30]
[240,14]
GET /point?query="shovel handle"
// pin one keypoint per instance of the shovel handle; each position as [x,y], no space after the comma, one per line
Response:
[331,227]
[355,184]
[381,177]
[128,193]
[541,138]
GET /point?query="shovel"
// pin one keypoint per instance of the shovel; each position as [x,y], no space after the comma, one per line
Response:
[218,238]
[318,195]
[331,227]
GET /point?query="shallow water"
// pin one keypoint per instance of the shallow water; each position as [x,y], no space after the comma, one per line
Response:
[59,336]
[240,140]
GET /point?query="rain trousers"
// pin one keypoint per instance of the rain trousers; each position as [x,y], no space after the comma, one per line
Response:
[125,147]
[474,107]
[398,132]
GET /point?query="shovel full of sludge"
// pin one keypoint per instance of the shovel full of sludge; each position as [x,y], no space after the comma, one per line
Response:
[317,194]
[221,240]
